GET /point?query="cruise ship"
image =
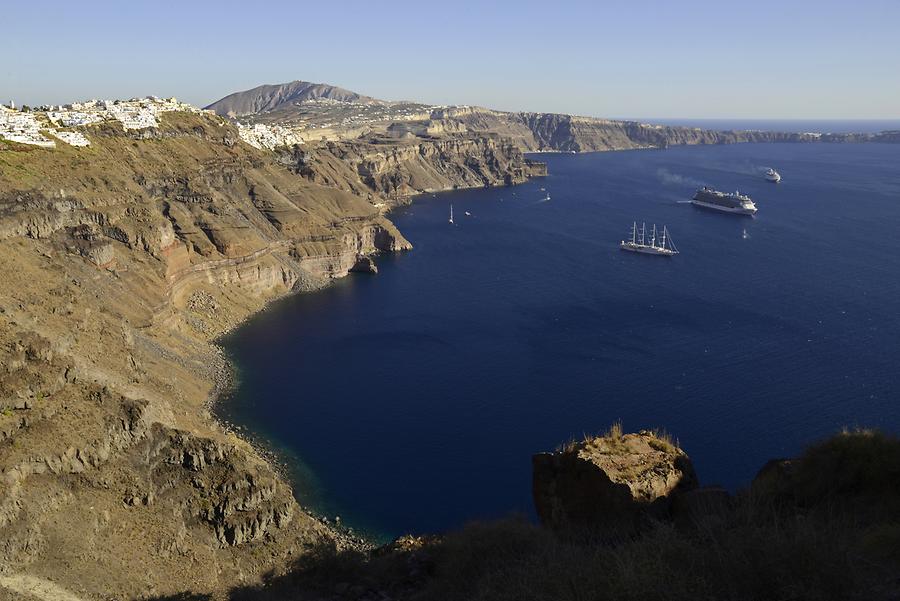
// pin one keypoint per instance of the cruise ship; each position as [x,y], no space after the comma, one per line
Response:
[773,176]
[731,202]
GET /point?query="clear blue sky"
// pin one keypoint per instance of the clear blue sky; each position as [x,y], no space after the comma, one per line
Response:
[635,58]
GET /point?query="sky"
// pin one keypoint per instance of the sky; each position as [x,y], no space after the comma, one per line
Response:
[629,59]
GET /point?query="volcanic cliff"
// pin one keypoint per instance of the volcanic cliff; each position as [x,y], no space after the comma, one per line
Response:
[121,263]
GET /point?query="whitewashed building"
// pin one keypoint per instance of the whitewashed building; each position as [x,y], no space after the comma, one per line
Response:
[72,138]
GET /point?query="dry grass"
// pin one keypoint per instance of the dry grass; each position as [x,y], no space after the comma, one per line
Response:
[612,437]
[663,441]
[515,561]
[615,432]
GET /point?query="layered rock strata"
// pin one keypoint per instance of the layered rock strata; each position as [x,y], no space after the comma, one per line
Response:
[396,170]
[120,264]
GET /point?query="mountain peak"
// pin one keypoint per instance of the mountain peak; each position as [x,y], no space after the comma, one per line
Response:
[272,97]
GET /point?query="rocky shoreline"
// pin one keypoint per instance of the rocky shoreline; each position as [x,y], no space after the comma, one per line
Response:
[121,276]
[224,385]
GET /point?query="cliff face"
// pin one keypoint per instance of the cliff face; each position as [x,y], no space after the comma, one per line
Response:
[120,263]
[567,133]
[398,169]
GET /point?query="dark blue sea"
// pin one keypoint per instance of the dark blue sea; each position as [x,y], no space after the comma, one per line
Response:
[414,399]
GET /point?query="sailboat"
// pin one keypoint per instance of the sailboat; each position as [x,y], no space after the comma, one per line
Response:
[451,214]
[638,243]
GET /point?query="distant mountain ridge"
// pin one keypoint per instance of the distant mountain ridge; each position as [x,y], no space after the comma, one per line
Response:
[273,97]
[283,104]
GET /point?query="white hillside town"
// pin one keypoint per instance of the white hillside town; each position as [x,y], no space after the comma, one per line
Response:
[39,126]
[72,138]
[30,127]
[268,136]
[23,128]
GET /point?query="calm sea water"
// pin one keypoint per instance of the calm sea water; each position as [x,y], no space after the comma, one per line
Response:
[413,400]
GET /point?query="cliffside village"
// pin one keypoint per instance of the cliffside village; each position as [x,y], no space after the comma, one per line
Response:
[34,126]
[39,127]
[322,119]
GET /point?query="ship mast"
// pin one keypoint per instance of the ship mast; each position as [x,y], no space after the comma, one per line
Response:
[634,232]
[671,244]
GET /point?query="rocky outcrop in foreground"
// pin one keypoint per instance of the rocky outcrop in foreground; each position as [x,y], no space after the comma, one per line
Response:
[612,480]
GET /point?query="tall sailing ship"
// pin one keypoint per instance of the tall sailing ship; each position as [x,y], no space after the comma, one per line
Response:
[729,202]
[657,245]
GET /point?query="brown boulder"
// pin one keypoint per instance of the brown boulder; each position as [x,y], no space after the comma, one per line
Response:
[611,480]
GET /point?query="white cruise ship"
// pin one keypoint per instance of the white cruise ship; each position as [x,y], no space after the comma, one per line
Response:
[734,202]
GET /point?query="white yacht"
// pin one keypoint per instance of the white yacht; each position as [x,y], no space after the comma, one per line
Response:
[451,214]
[639,244]
[772,176]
